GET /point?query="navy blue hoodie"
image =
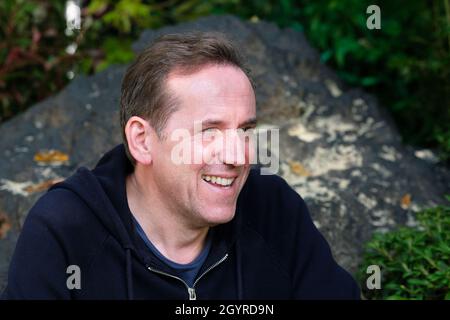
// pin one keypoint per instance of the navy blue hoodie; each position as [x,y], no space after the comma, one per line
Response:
[270,250]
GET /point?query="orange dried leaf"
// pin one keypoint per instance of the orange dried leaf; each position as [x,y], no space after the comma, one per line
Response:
[51,156]
[5,225]
[42,186]
[405,202]
[299,169]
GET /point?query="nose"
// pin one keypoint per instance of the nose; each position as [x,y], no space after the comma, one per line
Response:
[235,150]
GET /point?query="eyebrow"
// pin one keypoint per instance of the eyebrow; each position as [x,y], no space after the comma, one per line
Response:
[212,122]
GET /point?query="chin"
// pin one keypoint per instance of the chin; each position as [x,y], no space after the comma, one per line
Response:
[219,216]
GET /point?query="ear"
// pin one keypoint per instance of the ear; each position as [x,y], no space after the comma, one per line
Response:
[138,132]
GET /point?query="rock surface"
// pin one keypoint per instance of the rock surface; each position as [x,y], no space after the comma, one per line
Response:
[338,148]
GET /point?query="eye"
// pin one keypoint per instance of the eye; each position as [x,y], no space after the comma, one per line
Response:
[248,128]
[209,129]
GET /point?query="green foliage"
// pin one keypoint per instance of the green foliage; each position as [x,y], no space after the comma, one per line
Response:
[116,52]
[414,262]
[32,56]
[124,14]
[34,62]
[406,64]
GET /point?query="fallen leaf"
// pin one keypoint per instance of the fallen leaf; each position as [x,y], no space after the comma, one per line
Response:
[5,225]
[405,202]
[51,157]
[42,186]
[299,169]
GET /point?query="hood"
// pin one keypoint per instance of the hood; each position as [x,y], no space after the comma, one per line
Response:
[103,189]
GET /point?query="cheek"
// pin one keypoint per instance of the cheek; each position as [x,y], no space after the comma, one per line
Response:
[204,152]
[250,152]
[197,152]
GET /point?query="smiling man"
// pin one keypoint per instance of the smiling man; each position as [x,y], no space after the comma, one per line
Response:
[143,225]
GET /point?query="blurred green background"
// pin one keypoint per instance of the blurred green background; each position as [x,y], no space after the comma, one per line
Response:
[406,65]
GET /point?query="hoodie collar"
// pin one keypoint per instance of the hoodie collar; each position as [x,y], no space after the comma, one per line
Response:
[104,191]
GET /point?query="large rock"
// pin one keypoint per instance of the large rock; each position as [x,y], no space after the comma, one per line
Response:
[338,149]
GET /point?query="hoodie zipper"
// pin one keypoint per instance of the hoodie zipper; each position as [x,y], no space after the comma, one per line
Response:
[191,291]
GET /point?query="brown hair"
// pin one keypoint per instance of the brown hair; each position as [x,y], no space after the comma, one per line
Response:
[143,91]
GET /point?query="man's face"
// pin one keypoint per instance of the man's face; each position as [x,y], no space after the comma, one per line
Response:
[221,98]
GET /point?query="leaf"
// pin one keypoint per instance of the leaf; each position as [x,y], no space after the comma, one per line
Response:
[51,157]
[96,6]
[325,56]
[405,202]
[369,81]
[344,47]
[117,52]
[396,297]
[42,186]
[299,169]
[5,225]
[418,282]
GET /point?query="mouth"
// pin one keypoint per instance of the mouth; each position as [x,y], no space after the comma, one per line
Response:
[219,181]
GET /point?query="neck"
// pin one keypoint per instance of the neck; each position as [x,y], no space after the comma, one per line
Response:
[177,239]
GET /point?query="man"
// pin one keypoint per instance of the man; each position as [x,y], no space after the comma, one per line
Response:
[142,225]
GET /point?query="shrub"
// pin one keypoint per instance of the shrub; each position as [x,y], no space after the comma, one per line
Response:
[32,57]
[414,262]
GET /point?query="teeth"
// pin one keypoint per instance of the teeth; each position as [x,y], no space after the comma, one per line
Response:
[218,180]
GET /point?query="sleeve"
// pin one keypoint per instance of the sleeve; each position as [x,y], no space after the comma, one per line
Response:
[317,275]
[38,266]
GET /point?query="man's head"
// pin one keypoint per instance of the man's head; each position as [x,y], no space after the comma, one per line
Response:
[181,80]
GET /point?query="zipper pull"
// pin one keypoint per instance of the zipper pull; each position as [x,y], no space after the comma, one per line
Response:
[192,295]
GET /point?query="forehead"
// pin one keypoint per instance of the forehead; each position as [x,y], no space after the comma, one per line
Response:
[212,86]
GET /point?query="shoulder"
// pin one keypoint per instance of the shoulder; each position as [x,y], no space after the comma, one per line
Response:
[269,204]
[58,231]
[60,207]
[270,194]
[63,216]
[276,214]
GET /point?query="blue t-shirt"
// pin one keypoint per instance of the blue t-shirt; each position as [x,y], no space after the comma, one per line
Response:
[188,272]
